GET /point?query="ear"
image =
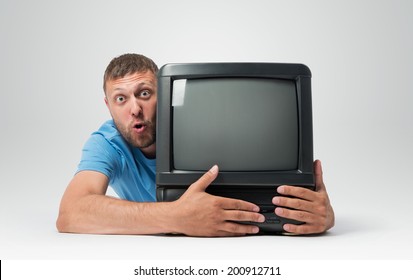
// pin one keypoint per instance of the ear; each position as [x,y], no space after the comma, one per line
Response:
[106,102]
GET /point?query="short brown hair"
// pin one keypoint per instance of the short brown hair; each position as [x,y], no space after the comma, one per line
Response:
[128,64]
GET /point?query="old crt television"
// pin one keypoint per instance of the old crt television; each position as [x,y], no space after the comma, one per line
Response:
[254,120]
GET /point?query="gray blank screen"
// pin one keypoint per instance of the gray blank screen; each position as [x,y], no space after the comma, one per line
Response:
[240,124]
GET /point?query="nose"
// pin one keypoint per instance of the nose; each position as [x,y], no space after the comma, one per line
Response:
[135,108]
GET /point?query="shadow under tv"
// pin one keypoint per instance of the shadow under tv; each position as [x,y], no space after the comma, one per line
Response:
[254,120]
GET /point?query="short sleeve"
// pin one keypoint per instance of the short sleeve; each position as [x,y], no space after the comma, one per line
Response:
[99,155]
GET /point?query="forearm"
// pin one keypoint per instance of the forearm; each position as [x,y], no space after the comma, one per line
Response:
[102,214]
[86,209]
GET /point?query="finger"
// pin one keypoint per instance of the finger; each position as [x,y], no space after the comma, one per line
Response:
[298,192]
[303,229]
[222,233]
[300,216]
[312,223]
[318,172]
[239,229]
[205,180]
[298,204]
[243,216]
[236,204]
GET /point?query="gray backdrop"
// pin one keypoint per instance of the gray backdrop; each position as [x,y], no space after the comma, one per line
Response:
[52,58]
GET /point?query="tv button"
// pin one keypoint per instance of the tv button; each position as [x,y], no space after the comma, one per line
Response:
[272,220]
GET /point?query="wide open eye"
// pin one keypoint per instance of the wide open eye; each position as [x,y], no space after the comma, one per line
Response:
[145,94]
[120,99]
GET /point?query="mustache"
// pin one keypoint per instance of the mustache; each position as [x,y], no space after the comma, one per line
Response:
[143,123]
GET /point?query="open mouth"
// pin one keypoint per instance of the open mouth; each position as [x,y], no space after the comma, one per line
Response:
[139,127]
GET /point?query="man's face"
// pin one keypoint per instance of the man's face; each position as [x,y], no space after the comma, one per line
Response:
[132,103]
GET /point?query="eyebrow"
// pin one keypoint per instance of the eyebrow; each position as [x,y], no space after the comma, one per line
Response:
[138,86]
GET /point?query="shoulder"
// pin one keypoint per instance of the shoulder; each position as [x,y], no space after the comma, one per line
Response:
[108,131]
[109,137]
[105,151]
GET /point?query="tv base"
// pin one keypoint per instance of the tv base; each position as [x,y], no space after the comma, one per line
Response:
[261,196]
[273,224]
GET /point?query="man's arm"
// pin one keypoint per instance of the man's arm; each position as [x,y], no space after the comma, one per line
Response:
[311,207]
[86,209]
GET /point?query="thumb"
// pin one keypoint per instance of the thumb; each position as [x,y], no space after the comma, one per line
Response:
[205,180]
[318,172]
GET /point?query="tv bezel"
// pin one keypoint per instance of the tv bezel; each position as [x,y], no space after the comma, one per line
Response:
[169,178]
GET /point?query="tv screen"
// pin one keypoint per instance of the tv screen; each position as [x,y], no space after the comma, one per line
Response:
[254,120]
[241,124]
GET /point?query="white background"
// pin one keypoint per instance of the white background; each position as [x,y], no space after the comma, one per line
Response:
[53,55]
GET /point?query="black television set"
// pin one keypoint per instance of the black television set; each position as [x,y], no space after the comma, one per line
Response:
[254,120]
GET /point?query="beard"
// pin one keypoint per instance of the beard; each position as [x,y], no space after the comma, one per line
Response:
[138,140]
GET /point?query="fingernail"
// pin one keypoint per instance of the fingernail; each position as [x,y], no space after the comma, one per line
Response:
[214,169]
[280,189]
[261,219]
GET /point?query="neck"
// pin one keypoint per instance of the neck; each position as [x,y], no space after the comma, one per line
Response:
[149,152]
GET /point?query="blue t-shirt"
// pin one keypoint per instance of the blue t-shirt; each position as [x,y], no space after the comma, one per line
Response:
[130,173]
